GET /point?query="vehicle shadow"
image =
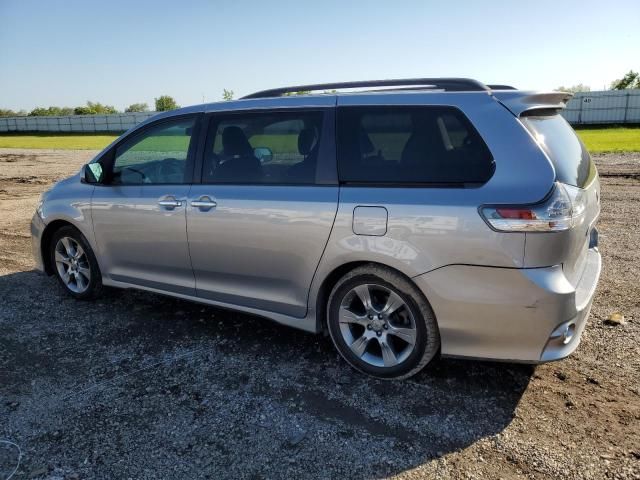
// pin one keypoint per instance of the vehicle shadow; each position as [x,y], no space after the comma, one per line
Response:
[223,384]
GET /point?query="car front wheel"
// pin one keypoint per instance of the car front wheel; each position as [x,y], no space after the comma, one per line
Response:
[74,263]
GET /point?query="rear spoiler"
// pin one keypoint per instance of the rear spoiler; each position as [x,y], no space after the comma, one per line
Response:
[526,103]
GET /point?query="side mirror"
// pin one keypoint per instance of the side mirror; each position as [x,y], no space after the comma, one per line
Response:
[264,154]
[92,173]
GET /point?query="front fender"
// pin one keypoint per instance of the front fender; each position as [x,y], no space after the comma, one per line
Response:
[69,201]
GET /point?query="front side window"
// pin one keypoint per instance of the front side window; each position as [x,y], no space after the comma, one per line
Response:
[410,145]
[156,156]
[263,148]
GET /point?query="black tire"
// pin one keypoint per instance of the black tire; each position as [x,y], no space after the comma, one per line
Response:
[94,287]
[427,337]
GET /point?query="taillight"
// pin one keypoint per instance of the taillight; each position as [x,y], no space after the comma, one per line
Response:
[563,210]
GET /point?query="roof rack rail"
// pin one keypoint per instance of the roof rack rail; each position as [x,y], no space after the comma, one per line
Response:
[501,87]
[447,84]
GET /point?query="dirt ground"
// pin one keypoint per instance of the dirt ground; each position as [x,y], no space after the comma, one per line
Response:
[137,385]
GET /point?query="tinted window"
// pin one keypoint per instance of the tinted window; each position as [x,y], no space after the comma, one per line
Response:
[279,147]
[567,153]
[158,155]
[432,145]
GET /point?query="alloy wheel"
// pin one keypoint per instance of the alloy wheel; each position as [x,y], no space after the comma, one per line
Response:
[377,325]
[72,264]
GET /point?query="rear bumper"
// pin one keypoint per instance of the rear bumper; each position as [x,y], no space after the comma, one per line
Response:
[525,315]
[557,347]
[37,228]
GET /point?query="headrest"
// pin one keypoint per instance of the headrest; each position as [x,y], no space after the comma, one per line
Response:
[366,147]
[306,140]
[234,141]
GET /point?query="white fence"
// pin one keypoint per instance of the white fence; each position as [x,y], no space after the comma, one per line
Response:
[118,122]
[609,106]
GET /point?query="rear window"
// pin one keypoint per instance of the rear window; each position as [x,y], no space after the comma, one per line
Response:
[410,145]
[566,151]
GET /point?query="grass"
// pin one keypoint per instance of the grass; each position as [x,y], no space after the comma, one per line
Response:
[65,141]
[610,139]
[597,139]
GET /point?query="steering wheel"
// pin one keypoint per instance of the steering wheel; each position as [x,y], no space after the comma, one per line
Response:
[170,167]
[145,179]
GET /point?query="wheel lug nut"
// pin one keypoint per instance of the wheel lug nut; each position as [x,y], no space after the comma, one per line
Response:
[379,317]
[370,317]
[386,327]
[369,327]
[378,333]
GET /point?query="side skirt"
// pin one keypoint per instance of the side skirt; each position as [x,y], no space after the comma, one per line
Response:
[308,324]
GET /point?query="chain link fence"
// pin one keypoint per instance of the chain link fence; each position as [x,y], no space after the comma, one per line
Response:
[609,106]
[118,122]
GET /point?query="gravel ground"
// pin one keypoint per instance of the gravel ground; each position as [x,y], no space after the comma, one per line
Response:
[137,385]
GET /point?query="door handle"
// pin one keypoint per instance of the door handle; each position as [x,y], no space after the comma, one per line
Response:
[204,203]
[169,202]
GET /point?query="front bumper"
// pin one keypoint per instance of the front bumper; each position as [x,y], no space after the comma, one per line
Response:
[510,314]
[37,228]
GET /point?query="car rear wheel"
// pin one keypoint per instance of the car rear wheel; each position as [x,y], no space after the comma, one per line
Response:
[381,323]
[74,263]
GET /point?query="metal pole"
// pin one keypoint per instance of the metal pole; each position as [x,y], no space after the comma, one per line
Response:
[580,110]
[626,107]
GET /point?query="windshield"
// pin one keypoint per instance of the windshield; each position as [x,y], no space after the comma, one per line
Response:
[569,156]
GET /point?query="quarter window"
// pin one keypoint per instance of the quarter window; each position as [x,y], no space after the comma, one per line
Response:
[263,148]
[156,156]
[410,145]
[568,154]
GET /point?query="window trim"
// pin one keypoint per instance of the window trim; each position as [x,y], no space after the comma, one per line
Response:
[407,184]
[326,168]
[108,159]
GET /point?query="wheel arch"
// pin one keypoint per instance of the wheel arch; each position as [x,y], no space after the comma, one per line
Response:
[51,228]
[336,274]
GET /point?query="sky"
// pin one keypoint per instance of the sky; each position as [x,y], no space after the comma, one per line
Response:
[65,52]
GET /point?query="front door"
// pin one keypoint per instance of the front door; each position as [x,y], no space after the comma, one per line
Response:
[139,215]
[259,221]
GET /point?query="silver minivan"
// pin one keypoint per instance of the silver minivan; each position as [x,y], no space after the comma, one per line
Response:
[405,218]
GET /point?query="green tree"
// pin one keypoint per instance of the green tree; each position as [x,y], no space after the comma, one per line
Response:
[83,110]
[165,102]
[7,112]
[630,80]
[39,112]
[137,107]
[51,111]
[580,87]
[227,94]
[100,109]
[94,108]
[60,111]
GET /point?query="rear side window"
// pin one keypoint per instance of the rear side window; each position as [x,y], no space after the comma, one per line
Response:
[263,148]
[565,150]
[410,145]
